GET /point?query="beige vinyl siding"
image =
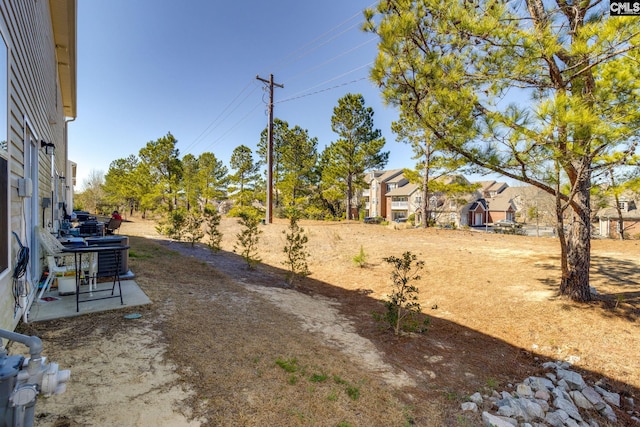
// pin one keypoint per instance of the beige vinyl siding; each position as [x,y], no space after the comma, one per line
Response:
[33,94]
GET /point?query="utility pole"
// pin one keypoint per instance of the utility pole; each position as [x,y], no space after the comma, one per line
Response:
[271,84]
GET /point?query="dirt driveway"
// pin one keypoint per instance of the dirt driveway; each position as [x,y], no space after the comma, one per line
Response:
[223,345]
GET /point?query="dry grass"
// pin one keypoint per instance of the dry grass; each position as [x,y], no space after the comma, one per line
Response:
[253,361]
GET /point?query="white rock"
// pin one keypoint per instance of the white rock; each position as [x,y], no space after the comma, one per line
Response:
[476,398]
[593,397]
[542,395]
[608,413]
[580,400]
[538,383]
[469,406]
[494,420]
[573,379]
[613,398]
[524,390]
[568,407]
[557,418]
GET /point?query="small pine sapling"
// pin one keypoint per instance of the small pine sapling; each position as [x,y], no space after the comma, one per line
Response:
[212,220]
[193,231]
[175,225]
[295,250]
[403,309]
[361,259]
[248,238]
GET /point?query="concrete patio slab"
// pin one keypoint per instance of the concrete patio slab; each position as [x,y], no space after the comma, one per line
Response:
[52,305]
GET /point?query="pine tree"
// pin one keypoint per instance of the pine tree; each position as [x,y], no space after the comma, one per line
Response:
[249,237]
[457,68]
[295,249]
[357,149]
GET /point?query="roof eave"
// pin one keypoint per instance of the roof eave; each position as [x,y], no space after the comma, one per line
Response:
[64,22]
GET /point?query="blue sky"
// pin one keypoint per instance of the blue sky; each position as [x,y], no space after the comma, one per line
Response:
[149,67]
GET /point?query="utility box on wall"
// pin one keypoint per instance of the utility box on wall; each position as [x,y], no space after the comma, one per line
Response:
[25,187]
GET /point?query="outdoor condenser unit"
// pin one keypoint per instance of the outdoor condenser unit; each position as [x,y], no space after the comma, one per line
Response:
[107,261]
[23,379]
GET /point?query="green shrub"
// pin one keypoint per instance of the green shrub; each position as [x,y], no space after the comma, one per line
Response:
[249,236]
[212,220]
[361,259]
[295,249]
[173,225]
[192,228]
[403,310]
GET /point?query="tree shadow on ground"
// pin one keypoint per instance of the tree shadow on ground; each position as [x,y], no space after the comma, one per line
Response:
[616,283]
[448,362]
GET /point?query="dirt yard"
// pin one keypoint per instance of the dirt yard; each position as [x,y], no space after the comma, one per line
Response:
[225,346]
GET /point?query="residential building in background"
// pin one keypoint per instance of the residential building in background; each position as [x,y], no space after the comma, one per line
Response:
[625,217]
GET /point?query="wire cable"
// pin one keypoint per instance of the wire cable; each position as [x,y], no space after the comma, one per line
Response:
[301,94]
[210,127]
[328,61]
[19,270]
[320,91]
[22,259]
[285,60]
[294,56]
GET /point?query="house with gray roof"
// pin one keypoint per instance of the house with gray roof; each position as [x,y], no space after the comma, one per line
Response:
[374,201]
[610,222]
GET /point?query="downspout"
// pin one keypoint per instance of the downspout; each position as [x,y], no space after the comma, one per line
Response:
[53,183]
[69,180]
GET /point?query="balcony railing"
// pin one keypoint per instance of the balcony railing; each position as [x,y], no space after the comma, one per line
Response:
[399,205]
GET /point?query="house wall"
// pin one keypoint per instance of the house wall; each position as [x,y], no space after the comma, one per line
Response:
[609,228]
[35,113]
[382,204]
[377,200]
[498,215]
[394,213]
[478,217]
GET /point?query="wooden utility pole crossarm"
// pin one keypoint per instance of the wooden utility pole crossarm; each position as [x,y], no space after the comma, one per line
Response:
[271,84]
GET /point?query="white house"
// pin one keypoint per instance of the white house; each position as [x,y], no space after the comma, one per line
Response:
[38,88]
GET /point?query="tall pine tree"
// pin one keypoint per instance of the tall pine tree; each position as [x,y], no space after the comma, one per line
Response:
[358,148]
[568,68]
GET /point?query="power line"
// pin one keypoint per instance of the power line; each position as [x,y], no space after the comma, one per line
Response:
[296,55]
[308,70]
[322,90]
[285,60]
[295,96]
[210,127]
[234,126]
